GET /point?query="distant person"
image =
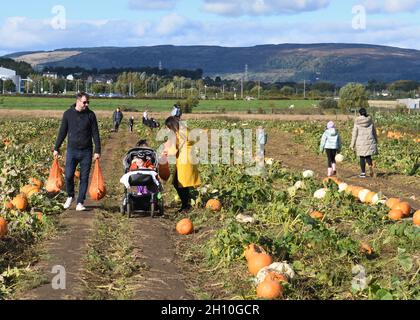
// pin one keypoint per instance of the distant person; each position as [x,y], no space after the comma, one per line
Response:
[117,118]
[364,141]
[131,123]
[262,138]
[145,116]
[331,144]
[176,112]
[80,126]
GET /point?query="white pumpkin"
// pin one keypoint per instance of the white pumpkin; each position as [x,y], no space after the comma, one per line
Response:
[242,218]
[362,194]
[342,187]
[277,267]
[308,174]
[321,193]
[339,158]
[375,199]
[299,185]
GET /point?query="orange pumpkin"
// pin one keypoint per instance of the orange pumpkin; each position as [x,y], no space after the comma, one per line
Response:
[392,202]
[9,205]
[20,202]
[316,215]
[365,248]
[36,182]
[355,191]
[214,205]
[416,218]
[33,191]
[370,197]
[404,207]
[258,261]
[38,215]
[276,277]
[252,249]
[395,214]
[185,226]
[3,227]
[269,289]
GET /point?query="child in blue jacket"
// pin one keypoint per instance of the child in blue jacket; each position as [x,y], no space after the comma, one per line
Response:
[331,143]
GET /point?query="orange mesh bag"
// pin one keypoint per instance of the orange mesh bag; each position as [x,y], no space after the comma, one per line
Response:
[55,180]
[97,185]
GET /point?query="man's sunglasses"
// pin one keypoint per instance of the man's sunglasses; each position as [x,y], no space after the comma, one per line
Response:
[85,102]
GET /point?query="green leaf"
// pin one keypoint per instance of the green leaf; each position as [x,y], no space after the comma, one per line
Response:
[406,262]
[383,294]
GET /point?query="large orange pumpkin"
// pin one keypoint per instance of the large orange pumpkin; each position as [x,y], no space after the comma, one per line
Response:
[3,227]
[395,214]
[252,249]
[269,289]
[214,205]
[404,207]
[392,202]
[416,218]
[185,226]
[20,202]
[258,261]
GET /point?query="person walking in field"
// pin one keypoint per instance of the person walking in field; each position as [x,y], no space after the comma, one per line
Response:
[186,174]
[131,123]
[80,126]
[364,141]
[331,143]
[117,119]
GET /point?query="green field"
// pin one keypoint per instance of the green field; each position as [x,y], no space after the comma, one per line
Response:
[47,103]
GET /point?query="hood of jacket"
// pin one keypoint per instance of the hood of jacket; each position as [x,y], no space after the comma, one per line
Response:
[364,121]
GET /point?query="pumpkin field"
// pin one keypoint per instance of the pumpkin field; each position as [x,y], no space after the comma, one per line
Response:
[287,233]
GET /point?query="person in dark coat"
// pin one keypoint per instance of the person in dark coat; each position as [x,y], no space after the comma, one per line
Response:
[80,126]
[131,123]
[117,118]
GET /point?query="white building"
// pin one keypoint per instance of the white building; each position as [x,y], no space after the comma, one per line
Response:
[410,103]
[9,74]
[70,77]
[51,75]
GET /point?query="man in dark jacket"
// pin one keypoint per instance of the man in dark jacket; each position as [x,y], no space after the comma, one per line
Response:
[80,126]
[117,118]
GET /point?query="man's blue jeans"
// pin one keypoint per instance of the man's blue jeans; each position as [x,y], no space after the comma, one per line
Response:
[73,158]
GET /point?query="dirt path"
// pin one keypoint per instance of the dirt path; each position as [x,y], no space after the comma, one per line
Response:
[163,279]
[69,247]
[282,147]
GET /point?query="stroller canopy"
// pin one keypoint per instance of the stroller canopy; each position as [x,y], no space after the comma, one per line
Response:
[143,152]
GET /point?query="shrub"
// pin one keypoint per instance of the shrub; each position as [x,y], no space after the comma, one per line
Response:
[328,103]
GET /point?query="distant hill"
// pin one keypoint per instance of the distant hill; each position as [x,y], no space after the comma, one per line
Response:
[338,63]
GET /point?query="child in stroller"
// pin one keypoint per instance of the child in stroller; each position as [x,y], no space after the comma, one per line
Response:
[141,174]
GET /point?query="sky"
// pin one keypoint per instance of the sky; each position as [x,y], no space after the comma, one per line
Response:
[53,24]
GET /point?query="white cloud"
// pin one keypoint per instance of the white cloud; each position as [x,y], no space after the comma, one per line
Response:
[262,7]
[152,4]
[390,6]
[170,24]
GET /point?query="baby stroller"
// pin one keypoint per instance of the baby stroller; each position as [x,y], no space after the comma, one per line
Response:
[133,202]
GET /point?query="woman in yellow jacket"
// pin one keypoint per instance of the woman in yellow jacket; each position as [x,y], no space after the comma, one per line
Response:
[186,174]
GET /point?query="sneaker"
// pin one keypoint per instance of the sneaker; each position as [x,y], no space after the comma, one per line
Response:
[80,207]
[362,175]
[68,203]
